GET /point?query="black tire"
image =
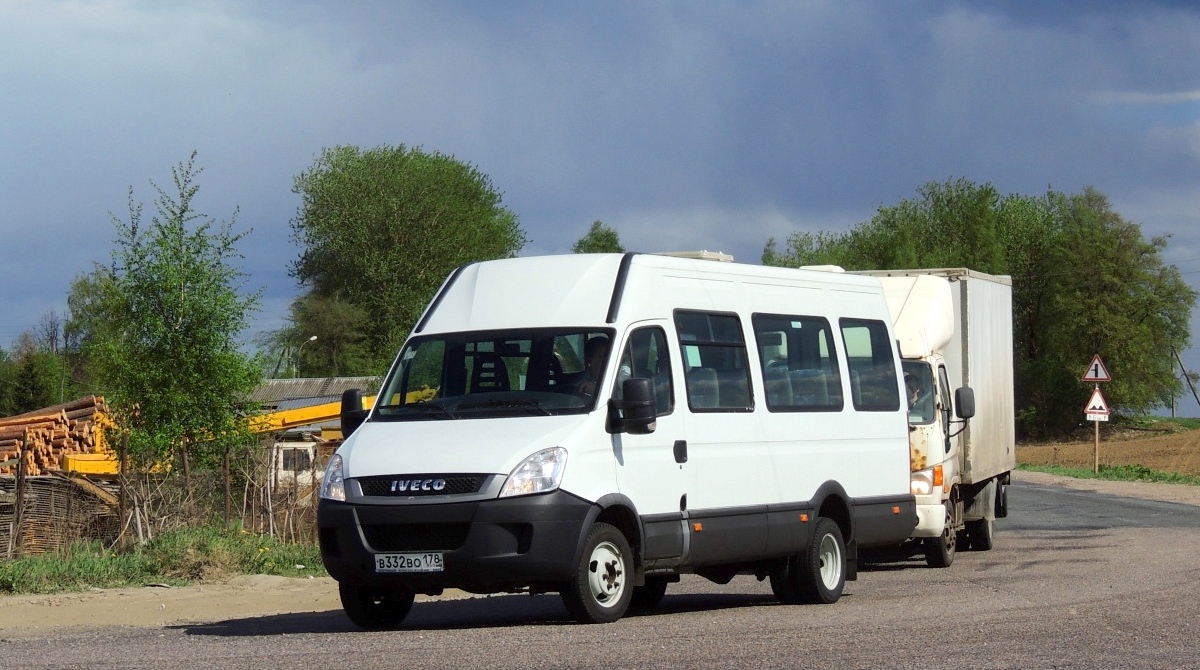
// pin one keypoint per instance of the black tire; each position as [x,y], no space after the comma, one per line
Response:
[939,551]
[601,589]
[375,607]
[650,595]
[1001,500]
[981,534]
[817,574]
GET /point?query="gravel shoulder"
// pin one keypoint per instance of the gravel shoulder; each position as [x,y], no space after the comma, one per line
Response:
[249,596]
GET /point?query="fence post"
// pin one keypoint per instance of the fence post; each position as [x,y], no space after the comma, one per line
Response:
[19,502]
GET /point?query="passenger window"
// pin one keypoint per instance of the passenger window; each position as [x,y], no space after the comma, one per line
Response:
[874,386]
[799,365]
[646,355]
[717,376]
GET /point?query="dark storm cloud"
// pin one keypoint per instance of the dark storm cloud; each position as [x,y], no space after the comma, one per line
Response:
[684,125]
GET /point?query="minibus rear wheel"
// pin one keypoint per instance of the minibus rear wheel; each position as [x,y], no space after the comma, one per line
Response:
[375,607]
[818,573]
[649,596]
[601,589]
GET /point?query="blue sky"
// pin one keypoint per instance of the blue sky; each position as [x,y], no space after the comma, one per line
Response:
[683,125]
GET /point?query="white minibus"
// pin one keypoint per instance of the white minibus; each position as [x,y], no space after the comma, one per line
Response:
[597,425]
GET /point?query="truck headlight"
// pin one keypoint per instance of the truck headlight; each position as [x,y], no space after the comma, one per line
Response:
[922,483]
[333,484]
[539,473]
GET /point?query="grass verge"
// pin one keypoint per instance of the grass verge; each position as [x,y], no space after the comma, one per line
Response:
[172,558]
[1124,473]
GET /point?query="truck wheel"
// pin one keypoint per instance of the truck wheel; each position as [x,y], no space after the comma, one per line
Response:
[817,574]
[1001,500]
[939,551]
[600,590]
[981,534]
[649,596]
[375,607]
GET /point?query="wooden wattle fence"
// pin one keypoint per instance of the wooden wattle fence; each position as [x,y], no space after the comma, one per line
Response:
[45,436]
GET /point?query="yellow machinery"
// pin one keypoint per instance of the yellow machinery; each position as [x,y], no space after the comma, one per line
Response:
[104,460]
[283,419]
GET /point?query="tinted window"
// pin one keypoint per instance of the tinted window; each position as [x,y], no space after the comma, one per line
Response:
[799,363]
[714,356]
[873,383]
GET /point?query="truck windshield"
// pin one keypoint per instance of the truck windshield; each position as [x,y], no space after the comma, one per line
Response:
[918,385]
[496,373]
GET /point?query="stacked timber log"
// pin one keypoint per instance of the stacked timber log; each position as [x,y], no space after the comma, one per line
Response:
[45,436]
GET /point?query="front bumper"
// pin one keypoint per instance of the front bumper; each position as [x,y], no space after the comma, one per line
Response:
[931,518]
[487,546]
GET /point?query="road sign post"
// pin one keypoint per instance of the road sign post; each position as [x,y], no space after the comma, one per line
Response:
[1096,409]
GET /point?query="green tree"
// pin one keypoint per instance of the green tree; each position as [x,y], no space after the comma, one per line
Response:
[340,348]
[1085,281]
[599,239]
[39,373]
[8,383]
[39,382]
[161,329]
[380,229]
[951,223]
[1109,293]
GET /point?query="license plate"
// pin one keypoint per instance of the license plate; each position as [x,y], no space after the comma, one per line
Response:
[431,562]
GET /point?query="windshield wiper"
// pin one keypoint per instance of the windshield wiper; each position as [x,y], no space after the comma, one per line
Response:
[426,407]
[510,403]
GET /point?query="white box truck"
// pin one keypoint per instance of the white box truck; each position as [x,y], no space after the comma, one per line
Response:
[597,425]
[955,335]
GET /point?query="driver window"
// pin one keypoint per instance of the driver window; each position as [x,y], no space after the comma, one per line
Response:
[646,355]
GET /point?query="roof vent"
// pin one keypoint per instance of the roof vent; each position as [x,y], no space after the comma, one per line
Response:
[703,255]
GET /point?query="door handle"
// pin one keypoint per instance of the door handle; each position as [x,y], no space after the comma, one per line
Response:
[680,450]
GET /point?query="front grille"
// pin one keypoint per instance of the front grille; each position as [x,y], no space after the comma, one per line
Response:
[416,536]
[403,485]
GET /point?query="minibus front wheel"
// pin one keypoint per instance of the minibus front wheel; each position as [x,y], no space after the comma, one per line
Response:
[375,607]
[601,588]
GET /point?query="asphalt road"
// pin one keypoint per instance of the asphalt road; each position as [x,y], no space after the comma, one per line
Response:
[1077,580]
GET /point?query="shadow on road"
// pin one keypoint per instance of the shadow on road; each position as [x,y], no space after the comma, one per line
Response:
[466,613]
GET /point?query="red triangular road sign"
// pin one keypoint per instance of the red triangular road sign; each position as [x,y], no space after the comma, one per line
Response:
[1096,371]
[1096,404]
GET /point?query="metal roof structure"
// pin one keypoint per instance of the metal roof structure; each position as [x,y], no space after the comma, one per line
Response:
[302,392]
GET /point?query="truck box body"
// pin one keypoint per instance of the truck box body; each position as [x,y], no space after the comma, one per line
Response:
[982,351]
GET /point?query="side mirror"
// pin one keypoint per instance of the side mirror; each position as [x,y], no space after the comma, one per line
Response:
[634,411]
[353,413]
[964,402]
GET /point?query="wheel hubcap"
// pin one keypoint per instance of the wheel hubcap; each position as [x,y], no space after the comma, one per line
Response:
[606,575]
[831,562]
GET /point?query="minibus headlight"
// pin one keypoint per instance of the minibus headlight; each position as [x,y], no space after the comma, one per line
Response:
[922,483]
[539,473]
[333,485]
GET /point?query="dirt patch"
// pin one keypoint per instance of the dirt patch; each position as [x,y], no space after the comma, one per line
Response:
[1167,452]
[243,596]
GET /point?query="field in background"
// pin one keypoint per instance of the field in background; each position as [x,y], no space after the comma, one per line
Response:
[1163,445]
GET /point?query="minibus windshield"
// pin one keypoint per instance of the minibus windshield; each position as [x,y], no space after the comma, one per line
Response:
[530,372]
